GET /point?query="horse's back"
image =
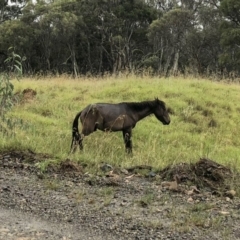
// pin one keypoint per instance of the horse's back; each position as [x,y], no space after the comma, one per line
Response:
[104,116]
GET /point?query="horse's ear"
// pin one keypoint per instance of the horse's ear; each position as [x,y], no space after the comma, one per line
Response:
[156,99]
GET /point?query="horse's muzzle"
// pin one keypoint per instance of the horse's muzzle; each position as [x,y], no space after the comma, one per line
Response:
[166,123]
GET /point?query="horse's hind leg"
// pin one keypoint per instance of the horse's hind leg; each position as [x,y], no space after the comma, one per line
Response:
[80,142]
[76,141]
[127,135]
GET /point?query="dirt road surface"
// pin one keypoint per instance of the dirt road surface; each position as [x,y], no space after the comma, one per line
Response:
[72,205]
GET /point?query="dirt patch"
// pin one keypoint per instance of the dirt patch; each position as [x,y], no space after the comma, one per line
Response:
[66,168]
[27,156]
[26,95]
[29,94]
[204,174]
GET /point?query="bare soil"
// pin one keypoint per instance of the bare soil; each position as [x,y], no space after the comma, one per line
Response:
[184,201]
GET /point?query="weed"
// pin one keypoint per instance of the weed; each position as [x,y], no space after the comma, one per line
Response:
[51,184]
[105,191]
[79,196]
[147,199]
[154,224]
[200,207]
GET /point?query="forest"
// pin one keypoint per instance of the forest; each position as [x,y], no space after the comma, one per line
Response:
[98,37]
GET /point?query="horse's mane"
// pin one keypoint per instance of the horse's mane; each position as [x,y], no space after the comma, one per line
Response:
[144,104]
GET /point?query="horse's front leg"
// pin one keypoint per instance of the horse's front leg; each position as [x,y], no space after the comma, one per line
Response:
[127,135]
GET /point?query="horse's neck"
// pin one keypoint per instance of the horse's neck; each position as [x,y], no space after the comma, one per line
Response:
[144,113]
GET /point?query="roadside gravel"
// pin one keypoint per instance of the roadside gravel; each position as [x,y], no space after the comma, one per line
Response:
[73,205]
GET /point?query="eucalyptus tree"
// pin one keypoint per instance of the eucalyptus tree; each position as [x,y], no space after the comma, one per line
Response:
[116,33]
[98,36]
[55,26]
[167,36]
[131,41]
[230,38]
[17,35]
[203,41]
[66,30]
[186,37]
[10,9]
[24,35]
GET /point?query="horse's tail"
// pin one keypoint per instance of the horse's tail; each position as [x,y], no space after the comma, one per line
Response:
[75,132]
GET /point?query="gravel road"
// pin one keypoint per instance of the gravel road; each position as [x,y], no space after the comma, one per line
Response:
[19,225]
[73,205]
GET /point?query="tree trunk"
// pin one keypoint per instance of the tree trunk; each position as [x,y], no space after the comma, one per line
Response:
[74,61]
[89,56]
[175,63]
[167,64]
[161,57]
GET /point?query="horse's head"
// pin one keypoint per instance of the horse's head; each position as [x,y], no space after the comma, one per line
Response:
[161,112]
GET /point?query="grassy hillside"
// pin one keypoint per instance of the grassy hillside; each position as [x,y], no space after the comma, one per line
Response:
[205,120]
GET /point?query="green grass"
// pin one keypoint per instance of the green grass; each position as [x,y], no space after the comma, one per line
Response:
[204,122]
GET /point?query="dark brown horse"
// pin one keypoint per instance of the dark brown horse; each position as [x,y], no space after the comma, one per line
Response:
[116,117]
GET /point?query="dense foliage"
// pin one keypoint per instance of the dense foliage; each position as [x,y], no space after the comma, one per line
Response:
[108,36]
[13,62]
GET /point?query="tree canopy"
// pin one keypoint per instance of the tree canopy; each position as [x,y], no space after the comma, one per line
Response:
[109,36]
